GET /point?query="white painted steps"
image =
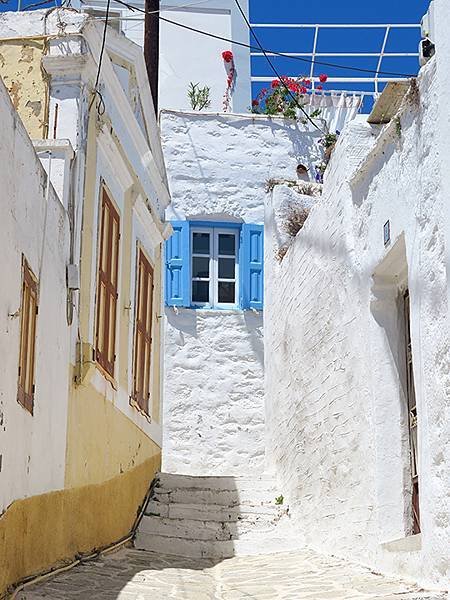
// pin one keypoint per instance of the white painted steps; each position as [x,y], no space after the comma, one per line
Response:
[214,517]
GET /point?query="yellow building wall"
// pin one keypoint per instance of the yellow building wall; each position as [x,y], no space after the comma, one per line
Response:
[43,531]
[110,461]
[26,82]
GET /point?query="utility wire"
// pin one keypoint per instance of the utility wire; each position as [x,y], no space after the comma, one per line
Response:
[101,104]
[251,47]
[272,66]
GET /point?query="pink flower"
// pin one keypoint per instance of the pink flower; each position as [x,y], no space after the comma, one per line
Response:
[319,87]
[307,82]
[323,78]
[227,56]
[275,83]
[303,90]
[255,103]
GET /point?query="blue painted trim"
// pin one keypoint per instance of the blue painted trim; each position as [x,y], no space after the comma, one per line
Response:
[218,224]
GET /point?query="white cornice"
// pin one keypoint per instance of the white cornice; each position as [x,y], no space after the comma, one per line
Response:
[111,154]
[64,66]
[126,127]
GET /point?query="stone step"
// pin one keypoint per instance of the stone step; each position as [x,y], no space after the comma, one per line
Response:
[208,496]
[213,512]
[168,481]
[206,530]
[251,545]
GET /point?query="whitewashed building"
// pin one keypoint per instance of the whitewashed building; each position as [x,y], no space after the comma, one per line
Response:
[357,339]
[218,167]
[187,56]
[81,236]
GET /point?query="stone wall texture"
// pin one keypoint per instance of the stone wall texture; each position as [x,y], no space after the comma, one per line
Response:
[337,431]
[217,166]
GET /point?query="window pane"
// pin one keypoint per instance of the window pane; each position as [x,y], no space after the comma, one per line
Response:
[226,292]
[200,291]
[226,268]
[200,243]
[227,244]
[200,267]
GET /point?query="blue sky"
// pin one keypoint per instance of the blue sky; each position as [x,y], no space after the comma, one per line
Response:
[337,40]
[330,40]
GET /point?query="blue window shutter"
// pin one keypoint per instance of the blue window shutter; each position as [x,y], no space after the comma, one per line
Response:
[252,266]
[177,265]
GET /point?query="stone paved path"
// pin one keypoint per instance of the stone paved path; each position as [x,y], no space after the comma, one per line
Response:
[136,575]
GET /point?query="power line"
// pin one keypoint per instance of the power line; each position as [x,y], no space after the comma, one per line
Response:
[273,52]
[101,103]
[281,80]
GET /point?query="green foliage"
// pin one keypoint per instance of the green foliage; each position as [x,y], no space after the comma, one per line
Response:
[279,500]
[199,97]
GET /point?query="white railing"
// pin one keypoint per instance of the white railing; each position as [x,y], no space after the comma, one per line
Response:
[333,57]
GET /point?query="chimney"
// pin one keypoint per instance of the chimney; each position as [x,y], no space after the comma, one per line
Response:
[151,46]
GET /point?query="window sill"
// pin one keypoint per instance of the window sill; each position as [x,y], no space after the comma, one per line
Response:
[141,411]
[411,543]
[107,376]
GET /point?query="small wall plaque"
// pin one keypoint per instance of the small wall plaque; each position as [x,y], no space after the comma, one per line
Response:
[387,233]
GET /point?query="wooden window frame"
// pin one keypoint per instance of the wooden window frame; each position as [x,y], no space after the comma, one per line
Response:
[28,326]
[143,331]
[107,284]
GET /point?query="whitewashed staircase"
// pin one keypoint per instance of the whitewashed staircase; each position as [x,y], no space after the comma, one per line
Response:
[214,517]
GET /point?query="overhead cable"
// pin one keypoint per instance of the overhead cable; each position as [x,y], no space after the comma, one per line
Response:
[272,66]
[132,8]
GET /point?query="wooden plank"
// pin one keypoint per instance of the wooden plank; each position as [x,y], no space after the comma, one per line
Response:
[387,105]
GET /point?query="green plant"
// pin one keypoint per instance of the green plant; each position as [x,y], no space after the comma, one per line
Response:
[199,97]
[329,140]
[279,500]
[285,96]
[398,127]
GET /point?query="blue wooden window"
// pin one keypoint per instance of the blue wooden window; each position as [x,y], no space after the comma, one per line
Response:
[252,271]
[177,265]
[200,272]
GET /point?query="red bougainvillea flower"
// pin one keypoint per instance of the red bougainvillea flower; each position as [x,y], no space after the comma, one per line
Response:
[319,87]
[275,83]
[294,87]
[264,91]
[323,78]
[307,82]
[255,103]
[303,90]
[227,56]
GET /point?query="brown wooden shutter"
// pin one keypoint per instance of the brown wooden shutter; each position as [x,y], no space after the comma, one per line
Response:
[143,332]
[25,395]
[107,285]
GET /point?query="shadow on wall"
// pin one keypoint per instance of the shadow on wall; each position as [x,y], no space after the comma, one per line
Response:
[254,323]
[185,321]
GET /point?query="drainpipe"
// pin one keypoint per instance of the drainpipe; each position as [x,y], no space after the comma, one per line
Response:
[151,47]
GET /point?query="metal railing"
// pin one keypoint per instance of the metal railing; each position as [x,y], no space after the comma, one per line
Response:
[314,54]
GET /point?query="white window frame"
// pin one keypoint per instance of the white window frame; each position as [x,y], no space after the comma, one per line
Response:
[214,256]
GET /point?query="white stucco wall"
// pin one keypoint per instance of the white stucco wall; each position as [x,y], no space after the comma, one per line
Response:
[213,401]
[220,163]
[336,415]
[32,447]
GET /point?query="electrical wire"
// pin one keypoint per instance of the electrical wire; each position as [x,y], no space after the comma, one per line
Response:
[251,47]
[101,104]
[272,66]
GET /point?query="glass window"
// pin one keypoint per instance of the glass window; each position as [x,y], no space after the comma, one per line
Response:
[214,266]
[200,243]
